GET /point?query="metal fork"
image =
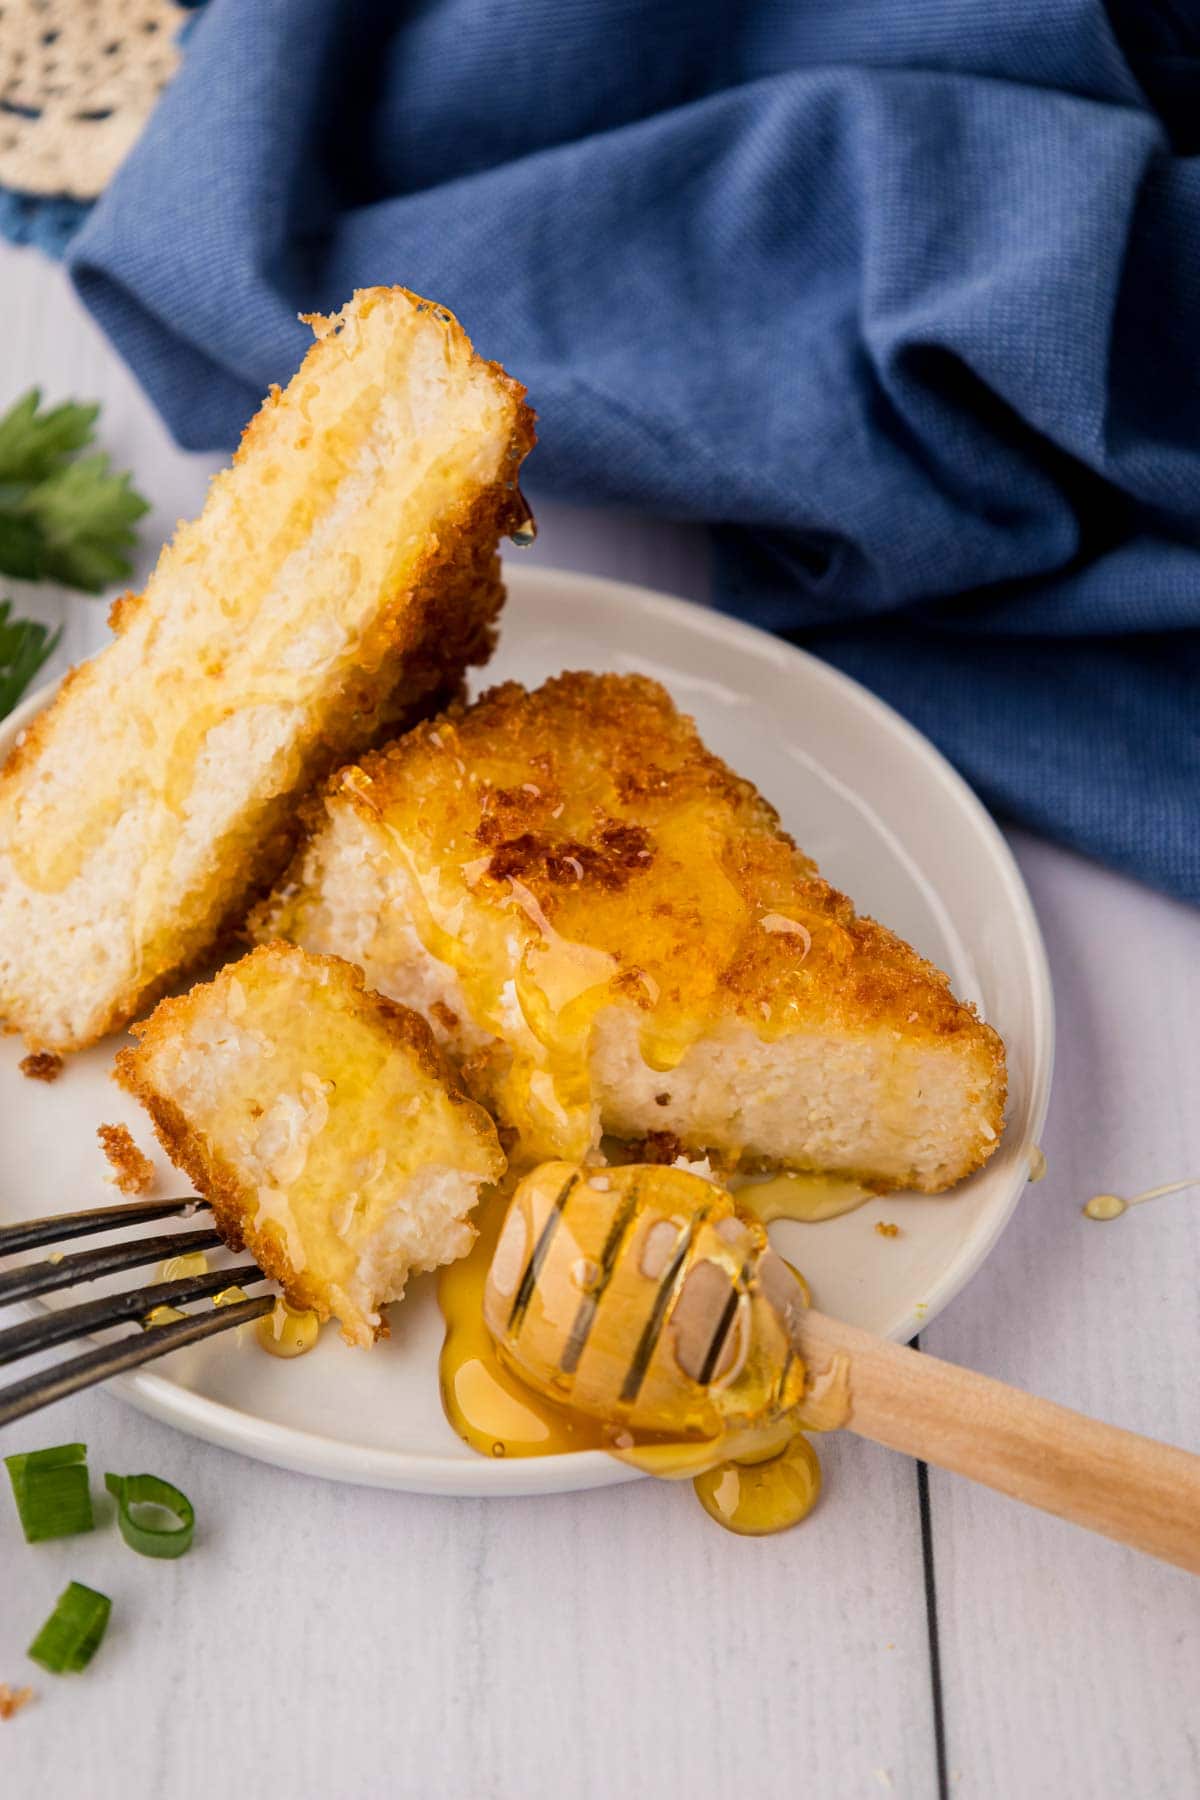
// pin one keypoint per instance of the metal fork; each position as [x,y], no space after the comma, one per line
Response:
[62,1325]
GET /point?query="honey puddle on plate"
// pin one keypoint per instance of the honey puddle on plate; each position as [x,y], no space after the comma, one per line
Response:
[807,1199]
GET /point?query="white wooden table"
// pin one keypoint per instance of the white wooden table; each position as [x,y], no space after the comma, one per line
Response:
[342,1642]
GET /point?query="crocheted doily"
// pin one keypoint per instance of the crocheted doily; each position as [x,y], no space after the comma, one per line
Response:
[78,80]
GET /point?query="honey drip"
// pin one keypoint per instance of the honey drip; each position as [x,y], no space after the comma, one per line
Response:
[807,1199]
[288,1331]
[1103,1207]
[523,531]
[489,1406]
[756,1497]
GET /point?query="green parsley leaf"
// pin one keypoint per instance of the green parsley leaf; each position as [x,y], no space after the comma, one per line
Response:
[63,517]
[24,647]
[85,516]
[20,547]
[34,444]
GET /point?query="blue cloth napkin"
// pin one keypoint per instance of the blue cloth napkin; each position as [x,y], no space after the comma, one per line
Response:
[902,297]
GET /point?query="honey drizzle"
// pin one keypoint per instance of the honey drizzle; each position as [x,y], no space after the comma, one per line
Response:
[559,985]
[1103,1207]
[504,949]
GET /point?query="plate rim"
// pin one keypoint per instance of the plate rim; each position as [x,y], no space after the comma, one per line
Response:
[306,1452]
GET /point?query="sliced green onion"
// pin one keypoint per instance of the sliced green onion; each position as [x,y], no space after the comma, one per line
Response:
[147,1490]
[51,1490]
[71,1635]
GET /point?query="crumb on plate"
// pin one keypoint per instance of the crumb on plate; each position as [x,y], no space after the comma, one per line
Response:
[132,1172]
[13,1699]
[41,1065]
[884,1228]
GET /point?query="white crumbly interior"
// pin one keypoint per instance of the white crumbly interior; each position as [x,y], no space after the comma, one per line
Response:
[66,955]
[424,1220]
[872,1104]
[427,1225]
[360,916]
[835,1105]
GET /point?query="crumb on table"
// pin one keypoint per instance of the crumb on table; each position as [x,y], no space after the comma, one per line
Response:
[132,1172]
[886,1229]
[13,1699]
[42,1065]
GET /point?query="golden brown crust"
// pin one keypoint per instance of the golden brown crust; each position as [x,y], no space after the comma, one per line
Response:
[132,1172]
[409,663]
[41,1065]
[575,784]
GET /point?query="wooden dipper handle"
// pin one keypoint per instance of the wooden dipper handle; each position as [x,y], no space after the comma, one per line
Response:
[1124,1486]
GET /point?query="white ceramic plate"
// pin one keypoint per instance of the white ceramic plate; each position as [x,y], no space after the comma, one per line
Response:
[886,818]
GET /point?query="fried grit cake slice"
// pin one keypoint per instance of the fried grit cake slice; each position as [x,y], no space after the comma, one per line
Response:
[612,932]
[324,1125]
[342,575]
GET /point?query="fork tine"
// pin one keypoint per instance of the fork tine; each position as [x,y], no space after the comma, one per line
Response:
[29,1233]
[65,1323]
[48,1385]
[86,1265]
